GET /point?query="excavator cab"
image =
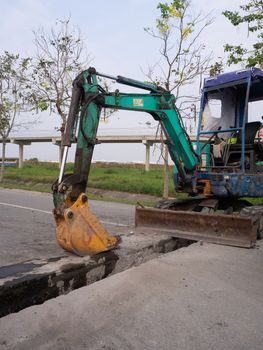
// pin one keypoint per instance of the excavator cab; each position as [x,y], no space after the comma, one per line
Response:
[228,137]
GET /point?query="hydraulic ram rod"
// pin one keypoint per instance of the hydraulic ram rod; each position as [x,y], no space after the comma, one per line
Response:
[63,164]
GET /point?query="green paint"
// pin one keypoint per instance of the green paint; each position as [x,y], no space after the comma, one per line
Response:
[158,103]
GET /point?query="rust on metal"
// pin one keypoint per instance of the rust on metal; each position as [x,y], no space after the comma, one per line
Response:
[207,190]
[216,228]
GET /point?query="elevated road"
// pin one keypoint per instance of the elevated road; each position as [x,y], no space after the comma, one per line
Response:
[147,140]
[101,139]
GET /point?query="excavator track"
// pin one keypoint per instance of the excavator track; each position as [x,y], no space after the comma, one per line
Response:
[255,213]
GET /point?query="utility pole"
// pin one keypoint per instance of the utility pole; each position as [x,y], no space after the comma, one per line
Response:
[166,174]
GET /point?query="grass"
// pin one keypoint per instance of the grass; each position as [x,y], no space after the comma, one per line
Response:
[132,178]
[255,201]
[115,177]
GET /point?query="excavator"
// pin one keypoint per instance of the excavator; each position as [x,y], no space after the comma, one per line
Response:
[222,165]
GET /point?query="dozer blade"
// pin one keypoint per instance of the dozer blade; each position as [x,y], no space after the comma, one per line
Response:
[79,231]
[215,228]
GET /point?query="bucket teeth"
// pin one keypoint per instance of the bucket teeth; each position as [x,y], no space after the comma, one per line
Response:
[79,231]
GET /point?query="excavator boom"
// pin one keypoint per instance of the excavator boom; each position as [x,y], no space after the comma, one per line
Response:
[78,229]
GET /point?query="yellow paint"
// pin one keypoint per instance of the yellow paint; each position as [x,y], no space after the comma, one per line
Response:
[80,232]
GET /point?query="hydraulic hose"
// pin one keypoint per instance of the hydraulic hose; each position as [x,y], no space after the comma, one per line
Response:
[73,111]
[83,114]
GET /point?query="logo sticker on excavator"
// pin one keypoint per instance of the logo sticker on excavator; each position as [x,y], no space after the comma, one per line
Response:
[138,102]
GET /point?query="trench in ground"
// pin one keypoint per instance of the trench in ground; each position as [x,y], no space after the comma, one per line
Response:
[34,282]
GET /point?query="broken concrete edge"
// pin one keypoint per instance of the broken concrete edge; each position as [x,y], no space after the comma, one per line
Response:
[39,286]
[47,280]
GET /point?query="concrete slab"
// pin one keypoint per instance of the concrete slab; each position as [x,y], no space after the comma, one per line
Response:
[203,297]
[35,281]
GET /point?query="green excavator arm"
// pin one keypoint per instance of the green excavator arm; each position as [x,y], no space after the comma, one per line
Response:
[78,230]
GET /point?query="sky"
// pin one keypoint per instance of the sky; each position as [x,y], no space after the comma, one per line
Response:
[113,32]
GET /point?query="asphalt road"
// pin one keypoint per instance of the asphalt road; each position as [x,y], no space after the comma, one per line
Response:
[27,227]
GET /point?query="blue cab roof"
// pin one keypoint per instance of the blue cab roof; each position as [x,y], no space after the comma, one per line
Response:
[230,77]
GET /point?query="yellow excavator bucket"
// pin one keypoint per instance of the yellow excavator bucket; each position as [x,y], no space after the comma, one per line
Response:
[79,231]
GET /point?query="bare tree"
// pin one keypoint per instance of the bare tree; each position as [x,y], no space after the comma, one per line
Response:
[60,56]
[182,59]
[13,92]
[106,112]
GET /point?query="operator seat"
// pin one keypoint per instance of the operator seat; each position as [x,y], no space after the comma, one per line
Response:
[234,150]
[251,130]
